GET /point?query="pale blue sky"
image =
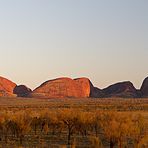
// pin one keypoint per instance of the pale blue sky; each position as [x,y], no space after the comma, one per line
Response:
[104,40]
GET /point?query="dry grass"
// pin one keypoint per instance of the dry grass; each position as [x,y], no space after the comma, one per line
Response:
[67,114]
[118,104]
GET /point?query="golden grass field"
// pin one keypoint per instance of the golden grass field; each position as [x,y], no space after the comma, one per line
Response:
[82,123]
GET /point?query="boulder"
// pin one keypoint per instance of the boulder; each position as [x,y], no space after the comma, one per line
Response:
[22,91]
[144,88]
[6,87]
[62,88]
[122,89]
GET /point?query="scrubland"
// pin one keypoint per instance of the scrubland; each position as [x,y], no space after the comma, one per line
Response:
[80,123]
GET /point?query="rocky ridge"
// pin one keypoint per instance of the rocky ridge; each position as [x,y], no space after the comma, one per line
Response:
[73,88]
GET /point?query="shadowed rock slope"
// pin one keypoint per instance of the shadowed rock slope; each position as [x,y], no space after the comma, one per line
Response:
[22,91]
[144,88]
[122,89]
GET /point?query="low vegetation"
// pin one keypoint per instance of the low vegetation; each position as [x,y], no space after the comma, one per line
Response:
[90,123]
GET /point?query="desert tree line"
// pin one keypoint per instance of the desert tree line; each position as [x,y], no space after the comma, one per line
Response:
[98,128]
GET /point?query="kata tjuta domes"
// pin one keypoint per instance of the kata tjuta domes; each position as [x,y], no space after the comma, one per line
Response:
[83,88]
[10,89]
[73,88]
[6,87]
[62,88]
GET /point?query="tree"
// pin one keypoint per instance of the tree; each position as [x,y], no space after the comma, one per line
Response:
[84,122]
[22,121]
[116,127]
[97,122]
[69,118]
[139,131]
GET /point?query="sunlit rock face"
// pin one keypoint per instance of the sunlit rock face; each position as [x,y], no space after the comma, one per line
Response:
[84,84]
[22,91]
[6,87]
[63,88]
[144,88]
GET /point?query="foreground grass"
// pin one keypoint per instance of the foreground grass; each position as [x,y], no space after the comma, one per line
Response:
[118,104]
[88,123]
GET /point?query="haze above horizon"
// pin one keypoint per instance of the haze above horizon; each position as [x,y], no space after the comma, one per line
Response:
[106,41]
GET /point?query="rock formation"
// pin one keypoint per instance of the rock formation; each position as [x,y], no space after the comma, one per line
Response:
[84,84]
[144,88]
[96,93]
[82,88]
[121,89]
[6,87]
[73,88]
[62,88]
[22,91]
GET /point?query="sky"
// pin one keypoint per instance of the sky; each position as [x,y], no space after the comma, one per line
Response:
[104,40]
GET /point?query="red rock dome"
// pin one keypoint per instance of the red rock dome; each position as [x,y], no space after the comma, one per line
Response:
[6,87]
[63,87]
